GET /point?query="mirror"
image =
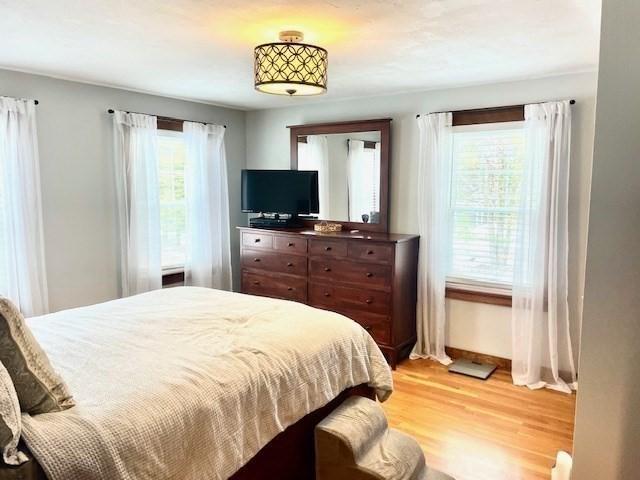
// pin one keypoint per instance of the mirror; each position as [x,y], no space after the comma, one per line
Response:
[348,166]
[351,159]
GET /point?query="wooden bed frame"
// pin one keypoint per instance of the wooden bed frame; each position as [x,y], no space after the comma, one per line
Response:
[289,456]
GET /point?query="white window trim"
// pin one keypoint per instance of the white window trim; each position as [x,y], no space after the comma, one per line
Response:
[488,127]
[170,133]
[471,285]
[168,270]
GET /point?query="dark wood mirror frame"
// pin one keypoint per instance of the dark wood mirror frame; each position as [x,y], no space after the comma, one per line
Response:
[382,125]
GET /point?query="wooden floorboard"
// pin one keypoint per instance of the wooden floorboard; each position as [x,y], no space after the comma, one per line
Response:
[480,430]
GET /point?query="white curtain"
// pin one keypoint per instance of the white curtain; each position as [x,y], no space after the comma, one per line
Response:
[136,168]
[375,181]
[208,255]
[314,155]
[363,177]
[356,166]
[22,266]
[540,313]
[434,179]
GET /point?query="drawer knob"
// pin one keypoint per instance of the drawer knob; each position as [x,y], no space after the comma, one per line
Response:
[368,301]
[290,288]
[256,282]
[327,269]
[328,249]
[370,252]
[289,264]
[257,240]
[256,259]
[291,244]
[327,294]
[369,274]
[368,328]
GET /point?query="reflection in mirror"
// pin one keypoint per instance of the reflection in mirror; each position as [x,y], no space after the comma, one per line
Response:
[348,168]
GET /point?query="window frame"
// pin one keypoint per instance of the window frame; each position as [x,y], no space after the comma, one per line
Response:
[171,275]
[468,290]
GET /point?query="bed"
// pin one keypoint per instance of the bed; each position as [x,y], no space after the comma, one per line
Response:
[194,383]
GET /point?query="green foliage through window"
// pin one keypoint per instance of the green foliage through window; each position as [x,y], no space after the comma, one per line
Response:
[171,164]
[485,196]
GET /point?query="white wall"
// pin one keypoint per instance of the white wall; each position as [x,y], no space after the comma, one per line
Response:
[481,328]
[607,432]
[78,187]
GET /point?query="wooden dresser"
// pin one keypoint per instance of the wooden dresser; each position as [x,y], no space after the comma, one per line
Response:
[368,277]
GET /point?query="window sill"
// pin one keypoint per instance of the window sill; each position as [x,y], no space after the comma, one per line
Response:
[172,277]
[501,299]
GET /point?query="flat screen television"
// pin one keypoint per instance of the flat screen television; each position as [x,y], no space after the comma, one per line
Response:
[292,192]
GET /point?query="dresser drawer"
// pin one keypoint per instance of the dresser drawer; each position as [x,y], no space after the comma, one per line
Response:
[290,244]
[378,326]
[340,298]
[257,240]
[275,286]
[364,275]
[272,261]
[329,248]
[371,252]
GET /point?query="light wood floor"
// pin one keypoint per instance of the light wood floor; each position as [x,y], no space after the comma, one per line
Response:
[480,430]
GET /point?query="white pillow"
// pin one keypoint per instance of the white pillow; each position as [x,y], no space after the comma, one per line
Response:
[10,423]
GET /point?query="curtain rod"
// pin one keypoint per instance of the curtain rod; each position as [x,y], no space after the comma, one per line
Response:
[35,101]
[571,102]
[166,119]
[368,144]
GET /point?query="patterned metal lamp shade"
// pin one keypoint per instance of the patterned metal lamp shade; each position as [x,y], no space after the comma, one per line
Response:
[290,68]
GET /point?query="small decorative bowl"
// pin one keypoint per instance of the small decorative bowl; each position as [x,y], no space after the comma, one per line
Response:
[326,227]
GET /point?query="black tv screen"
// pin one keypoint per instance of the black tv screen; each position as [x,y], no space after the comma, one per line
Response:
[292,192]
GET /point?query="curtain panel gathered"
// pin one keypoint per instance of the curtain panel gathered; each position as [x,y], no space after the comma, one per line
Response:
[208,252]
[434,180]
[23,276]
[540,312]
[319,153]
[136,169]
[314,155]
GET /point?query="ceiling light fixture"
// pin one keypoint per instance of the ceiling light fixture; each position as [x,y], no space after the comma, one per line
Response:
[289,67]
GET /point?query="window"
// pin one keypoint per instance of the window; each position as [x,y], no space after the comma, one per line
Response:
[173,208]
[487,169]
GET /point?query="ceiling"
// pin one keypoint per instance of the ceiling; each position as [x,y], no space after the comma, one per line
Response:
[203,49]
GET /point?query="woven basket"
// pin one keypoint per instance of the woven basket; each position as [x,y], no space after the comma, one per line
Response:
[326,227]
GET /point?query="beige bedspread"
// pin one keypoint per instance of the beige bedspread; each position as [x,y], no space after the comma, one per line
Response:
[190,383]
